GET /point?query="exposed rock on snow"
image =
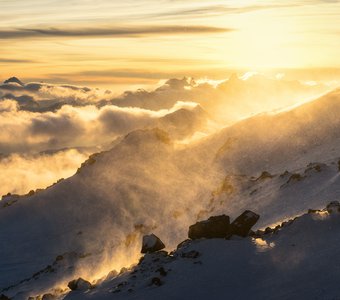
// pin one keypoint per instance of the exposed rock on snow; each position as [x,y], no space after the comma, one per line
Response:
[151,244]
[266,267]
[79,285]
[243,223]
[333,207]
[214,227]
[49,297]
[265,175]
[143,172]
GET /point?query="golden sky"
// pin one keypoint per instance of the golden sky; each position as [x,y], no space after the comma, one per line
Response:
[109,42]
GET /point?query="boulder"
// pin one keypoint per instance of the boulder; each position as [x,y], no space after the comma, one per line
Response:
[151,244]
[214,227]
[79,285]
[243,223]
[333,207]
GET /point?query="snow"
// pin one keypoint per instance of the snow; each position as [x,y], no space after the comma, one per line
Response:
[145,184]
[301,261]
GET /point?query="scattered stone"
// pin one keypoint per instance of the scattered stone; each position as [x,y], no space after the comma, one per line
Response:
[333,207]
[79,285]
[277,228]
[191,254]
[259,233]
[31,193]
[243,223]
[48,297]
[285,223]
[295,177]
[313,211]
[313,166]
[285,174]
[123,270]
[268,230]
[59,258]
[184,243]
[214,227]
[151,244]
[264,175]
[112,274]
[252,233]
[156,281]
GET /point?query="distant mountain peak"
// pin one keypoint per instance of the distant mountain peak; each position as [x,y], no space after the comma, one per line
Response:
[14,80]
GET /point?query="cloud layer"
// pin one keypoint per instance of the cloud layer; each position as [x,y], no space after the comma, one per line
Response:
[22,173]
[108,31]
[51,117]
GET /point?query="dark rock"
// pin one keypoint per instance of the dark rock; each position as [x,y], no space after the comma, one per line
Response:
[30,193]
[151,244]
[277,228]
[295,177]
[184,243]
[333,207]
[314,166]
[313,211]
[243,223]
[48,297]
[285,174]
[214,227]
[156,281]
[268,230]
[79,285]
[259,233]
[265,175]
[252,233]
[191,254]
[4,297]
[59,258]
[112,274]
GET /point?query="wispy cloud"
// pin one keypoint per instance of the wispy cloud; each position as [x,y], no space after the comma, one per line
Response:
[214,10]
[14,61]
[135,31]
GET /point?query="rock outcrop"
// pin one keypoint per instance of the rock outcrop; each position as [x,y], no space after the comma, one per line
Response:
[243,223]
[214,227]
[151,244]
[79,285]
[333,207]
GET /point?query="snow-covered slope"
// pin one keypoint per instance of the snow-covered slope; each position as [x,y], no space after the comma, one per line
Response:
[299,261]
[274,142]
[147,183]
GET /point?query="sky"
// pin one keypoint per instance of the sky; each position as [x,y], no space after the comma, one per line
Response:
[114,43]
